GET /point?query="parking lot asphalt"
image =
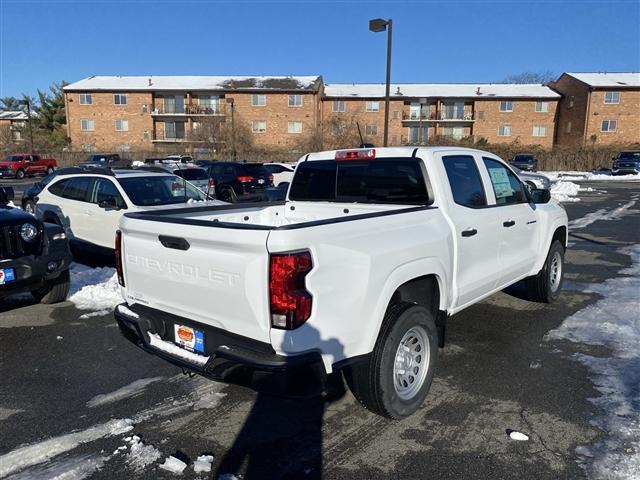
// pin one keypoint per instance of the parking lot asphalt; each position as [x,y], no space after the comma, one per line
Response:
[72,387]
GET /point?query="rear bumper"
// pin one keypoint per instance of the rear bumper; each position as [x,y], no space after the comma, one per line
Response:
[225,351]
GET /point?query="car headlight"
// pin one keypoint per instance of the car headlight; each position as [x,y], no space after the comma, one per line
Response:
[28,232]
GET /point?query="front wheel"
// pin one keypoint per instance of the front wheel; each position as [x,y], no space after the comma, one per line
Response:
[546,285]
[29,207]
[20,174]
[49,170]
[55,290]
[398,374]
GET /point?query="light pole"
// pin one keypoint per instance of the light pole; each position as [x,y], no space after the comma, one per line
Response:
[380,25]
[28,104]
[233,132]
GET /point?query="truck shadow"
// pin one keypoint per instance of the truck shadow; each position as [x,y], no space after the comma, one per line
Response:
[282,434]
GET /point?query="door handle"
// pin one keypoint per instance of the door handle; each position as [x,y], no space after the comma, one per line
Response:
[470,232]
[509,223]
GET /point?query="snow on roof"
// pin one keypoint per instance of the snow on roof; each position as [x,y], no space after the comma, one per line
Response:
[453,90]
[13,115]
[158,83]
[622,80]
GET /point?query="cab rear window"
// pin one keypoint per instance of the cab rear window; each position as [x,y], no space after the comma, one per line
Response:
[390,180]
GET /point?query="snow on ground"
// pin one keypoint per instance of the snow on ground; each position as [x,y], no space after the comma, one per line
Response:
[173,465]
[141,455]
[603,214]
[94,289]
[589,176]
[132,390]
[203,464]
[567,191]
[614,322]
[73,468]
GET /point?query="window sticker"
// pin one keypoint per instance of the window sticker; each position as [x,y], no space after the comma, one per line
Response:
[500,181]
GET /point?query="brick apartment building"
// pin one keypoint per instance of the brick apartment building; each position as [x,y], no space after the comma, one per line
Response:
[499,113]
[11,123]
[598,108]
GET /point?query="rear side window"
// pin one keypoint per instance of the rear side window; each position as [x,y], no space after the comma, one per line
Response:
[78,189]
[464,180]
[58,187]
[391,181]
[192,174]
[506,186]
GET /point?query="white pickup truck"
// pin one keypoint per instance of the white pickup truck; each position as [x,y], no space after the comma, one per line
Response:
[357,270]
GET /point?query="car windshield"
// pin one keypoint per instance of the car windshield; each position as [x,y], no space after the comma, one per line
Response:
[159,190]
[12,158]
[192,173]
[629,156]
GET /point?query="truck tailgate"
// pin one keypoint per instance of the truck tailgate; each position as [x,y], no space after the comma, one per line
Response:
[215,276]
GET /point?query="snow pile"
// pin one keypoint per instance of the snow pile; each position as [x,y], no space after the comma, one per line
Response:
[602,214]
[173,465]
[141,455]
[566,191]
[203,464]
[614,322]
[70,468]
[132,390]
[589,176]
[94,289]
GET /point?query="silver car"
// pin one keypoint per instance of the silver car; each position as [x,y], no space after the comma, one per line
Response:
[533,180]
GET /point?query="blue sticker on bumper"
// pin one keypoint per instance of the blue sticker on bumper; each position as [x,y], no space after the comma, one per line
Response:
[7,275]
[199,345]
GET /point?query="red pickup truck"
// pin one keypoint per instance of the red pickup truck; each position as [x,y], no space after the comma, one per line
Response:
[18,165]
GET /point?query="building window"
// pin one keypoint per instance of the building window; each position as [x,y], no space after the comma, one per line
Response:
[123,147]
[122,125]
[295,100]
[567,128]
[86,99]
[609,126]
[145,135]
[173,130]
[371,129]
[87,125]
[542,107]
[539,131]
[572,101]
[259,126]
[396,114]
[418,135]
[457,133]
[295,127]
[481,115]
[611,97]
[120,99]
[339,106]
[372,106]
[88,147]
[504,131]
[144,109]
[258,100]
[506,106]
[394,139]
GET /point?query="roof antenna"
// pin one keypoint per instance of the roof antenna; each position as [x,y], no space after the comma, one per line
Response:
[398,92]
[150,82]
[478,91]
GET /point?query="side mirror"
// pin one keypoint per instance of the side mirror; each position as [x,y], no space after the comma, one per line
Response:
[8,193]
[538,195]
[109,203]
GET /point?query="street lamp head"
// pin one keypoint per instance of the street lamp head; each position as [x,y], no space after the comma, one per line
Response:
[377,25]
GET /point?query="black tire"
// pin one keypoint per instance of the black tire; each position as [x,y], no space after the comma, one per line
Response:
[29,206]
[376,384]
[530,185]
[545,287]
[50,170]
[20,174]
[227,195]
[55,290]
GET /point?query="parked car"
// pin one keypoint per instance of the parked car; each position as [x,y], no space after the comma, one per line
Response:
[239,181]
[105,160]
[19,165]
[525,161]
[276,194]
[196,175]
[30,195]
[34,257]
[626,163]
[358,270]
[533,180]
[90,203]
[282,172]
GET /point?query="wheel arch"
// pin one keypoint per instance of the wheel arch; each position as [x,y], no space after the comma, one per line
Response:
[560,233]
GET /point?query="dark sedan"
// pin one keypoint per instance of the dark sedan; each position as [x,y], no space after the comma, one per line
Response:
[525,161]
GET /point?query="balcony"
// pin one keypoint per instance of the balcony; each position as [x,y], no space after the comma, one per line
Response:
[441,116]
[191,110]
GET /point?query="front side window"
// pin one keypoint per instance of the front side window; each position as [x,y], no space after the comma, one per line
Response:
[542,107]
[259,126]
[105,190]
[122,125]
[87,124]
[372,106]
[506,186]
[295,100]
[504,131]
[609,126]
[612,97]
[295,127]
[258,100]
[120,99]
[464,180]
[339,106]
[371,130]
[506,106]
[539,131]
[86,99]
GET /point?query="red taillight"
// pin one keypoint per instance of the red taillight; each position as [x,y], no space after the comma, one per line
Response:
[359,154]
[176,186]
[290,301]
[119,257]
[245,179]
[212,183]
[271,179]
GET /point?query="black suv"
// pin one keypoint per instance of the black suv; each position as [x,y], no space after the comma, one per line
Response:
[34,256]
[626,163]
[238,182]
[111,160]
[525,161]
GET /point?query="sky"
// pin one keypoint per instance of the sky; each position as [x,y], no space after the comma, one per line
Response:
[457,41]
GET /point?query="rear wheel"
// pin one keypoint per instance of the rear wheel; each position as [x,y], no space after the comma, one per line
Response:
[546,285]
[227,195]
[55,290]
[398,374]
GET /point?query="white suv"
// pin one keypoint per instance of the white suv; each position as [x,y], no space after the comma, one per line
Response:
[89,204]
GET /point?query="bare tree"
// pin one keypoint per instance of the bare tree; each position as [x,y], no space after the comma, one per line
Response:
[531,77]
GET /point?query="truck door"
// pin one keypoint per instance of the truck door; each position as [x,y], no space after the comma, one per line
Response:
[476,229]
